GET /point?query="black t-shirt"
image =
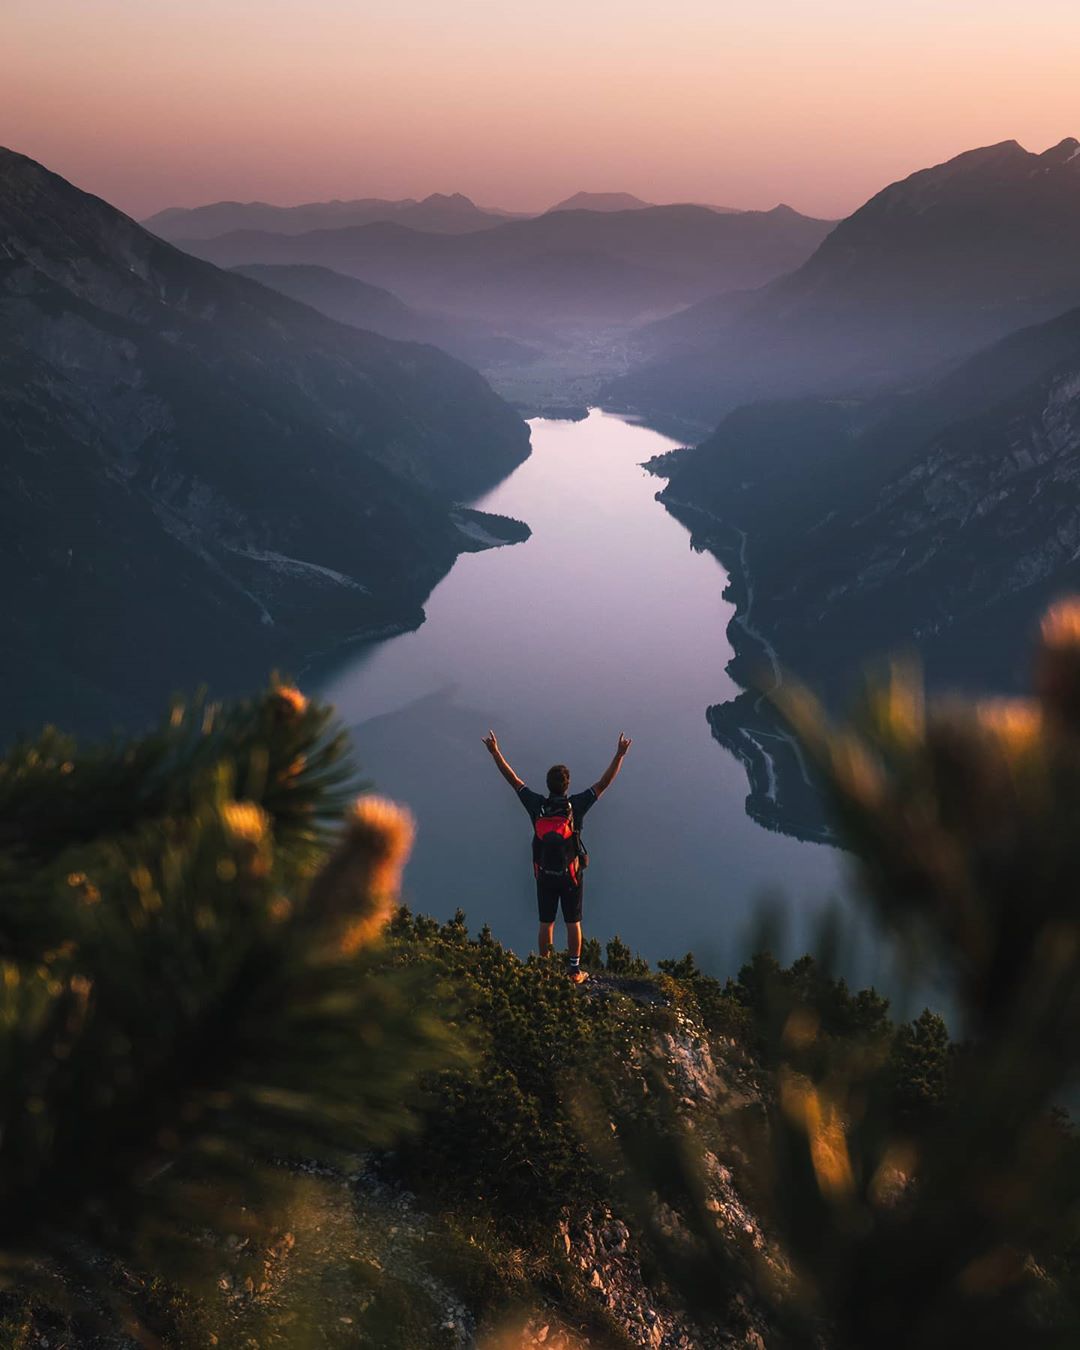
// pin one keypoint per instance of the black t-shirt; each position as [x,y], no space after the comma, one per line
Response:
[580,802]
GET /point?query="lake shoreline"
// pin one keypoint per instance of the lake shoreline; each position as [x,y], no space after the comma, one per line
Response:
[605,619]
[783,796]
[480,531]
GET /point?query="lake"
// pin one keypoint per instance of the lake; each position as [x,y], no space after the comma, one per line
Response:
[604,621]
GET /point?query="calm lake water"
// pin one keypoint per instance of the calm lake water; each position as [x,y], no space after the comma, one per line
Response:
[605,620]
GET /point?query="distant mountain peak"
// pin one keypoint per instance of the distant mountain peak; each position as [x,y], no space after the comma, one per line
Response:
[440,212]
[1001,155]
[999,152]
[930,268]
[1008,153]
[1066,152]
[600,201]
[997,172]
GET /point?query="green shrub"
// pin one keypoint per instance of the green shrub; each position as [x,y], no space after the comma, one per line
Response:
[502,1136]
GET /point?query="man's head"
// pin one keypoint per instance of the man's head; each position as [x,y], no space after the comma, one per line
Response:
[558,780]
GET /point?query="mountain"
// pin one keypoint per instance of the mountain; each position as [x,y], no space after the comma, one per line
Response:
[567,266]
[205,478]
[355,302]
[618,201]
[941,521]
[928,270]
[601,201]
[440,213]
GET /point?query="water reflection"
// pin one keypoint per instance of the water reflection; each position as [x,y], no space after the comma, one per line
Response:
[605,620]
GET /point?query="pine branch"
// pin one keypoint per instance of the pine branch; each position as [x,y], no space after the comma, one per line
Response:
[183,1007]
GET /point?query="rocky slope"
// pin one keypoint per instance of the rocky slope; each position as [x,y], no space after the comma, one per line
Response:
[204,478]
[607,1293]
[932,267]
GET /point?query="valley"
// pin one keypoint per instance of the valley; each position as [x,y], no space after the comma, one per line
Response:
[605,619]
[871,426]
[540,699]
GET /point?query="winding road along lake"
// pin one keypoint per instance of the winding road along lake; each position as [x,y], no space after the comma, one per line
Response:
[605,620]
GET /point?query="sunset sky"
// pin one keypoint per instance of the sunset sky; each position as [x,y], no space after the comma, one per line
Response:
[151,103]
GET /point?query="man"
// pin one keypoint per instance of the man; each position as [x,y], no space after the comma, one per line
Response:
[559,857]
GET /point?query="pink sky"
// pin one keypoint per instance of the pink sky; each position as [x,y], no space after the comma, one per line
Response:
[819,104]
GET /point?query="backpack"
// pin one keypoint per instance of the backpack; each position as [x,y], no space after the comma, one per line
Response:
[556,845]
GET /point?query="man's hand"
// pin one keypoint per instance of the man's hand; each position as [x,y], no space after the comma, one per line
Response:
[492,743]
[608,776]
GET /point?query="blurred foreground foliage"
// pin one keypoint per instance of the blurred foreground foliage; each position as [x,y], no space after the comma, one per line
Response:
[210,1008]
[187,1002]
[922,1196]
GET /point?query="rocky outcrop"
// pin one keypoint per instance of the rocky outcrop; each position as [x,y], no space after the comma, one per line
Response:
[612,1294]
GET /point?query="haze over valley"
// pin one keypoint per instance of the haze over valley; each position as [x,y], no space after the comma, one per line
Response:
[571,285]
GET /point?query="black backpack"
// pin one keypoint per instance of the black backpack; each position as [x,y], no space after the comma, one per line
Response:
[556,843]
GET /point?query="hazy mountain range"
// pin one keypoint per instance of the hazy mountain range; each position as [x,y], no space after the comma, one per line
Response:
[618,201]
[928,270]
[442,213]
[439,213]
[380,311]
[579,266]
[203,476]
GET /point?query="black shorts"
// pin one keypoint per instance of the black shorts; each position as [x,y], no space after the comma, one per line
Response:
[550,894]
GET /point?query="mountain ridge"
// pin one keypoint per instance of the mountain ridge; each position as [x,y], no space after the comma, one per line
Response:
[599,201]
[349,300]
[668,254]
[198,464]
[438,212]
[929,269]
[939,521]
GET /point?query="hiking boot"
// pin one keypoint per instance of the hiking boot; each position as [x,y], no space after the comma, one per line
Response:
[578,976]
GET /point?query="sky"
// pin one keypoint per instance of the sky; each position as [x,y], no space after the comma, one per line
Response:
[817,103]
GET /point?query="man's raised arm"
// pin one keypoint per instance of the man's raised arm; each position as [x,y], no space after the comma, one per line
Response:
[501,764]
[608,776]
